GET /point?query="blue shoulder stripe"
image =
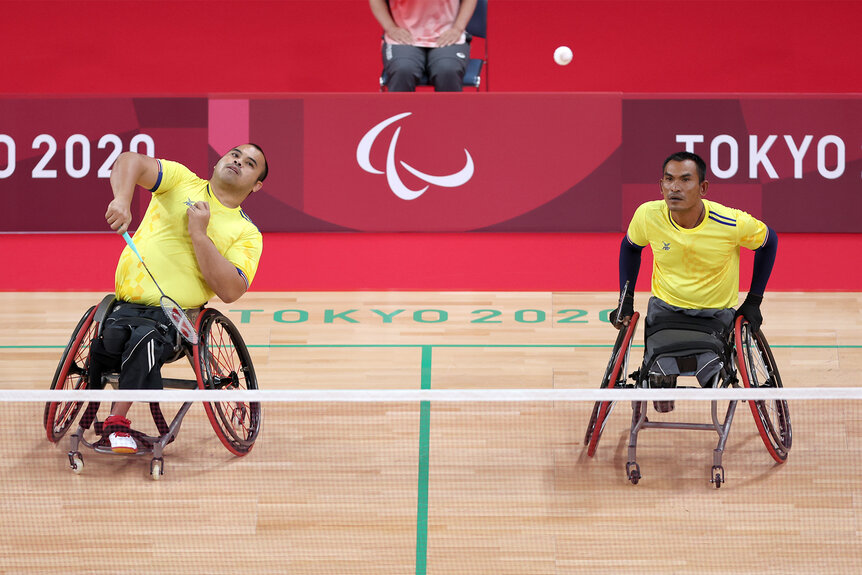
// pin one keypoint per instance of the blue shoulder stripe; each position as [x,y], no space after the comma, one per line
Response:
[729,222]
[725,218]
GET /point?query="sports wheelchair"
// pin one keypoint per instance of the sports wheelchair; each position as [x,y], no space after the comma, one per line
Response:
[220,360]
[745,357]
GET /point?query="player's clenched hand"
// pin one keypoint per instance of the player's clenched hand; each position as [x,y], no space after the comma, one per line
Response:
[622,316]
[118,216]
[199,218]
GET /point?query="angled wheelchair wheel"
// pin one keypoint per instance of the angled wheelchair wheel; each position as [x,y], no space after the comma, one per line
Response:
[221,361]
[615,375]
[72,373]
[757,368]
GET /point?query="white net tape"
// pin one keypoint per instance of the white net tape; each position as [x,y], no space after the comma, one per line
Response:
[444,395]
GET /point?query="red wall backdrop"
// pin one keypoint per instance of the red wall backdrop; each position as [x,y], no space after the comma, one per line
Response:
[222,47]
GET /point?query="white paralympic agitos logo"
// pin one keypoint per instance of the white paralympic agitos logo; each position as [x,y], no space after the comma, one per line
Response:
[363,158]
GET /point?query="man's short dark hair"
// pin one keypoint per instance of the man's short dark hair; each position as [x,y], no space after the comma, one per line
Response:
[683,156]
[265,171]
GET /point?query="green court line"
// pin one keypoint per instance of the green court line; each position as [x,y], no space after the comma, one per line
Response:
[422,484]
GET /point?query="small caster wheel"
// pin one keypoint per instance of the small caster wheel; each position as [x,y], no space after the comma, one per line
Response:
[157,468]
[633,471]
[76,462]
[717,476]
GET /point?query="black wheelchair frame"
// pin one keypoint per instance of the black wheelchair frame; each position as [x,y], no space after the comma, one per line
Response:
[748,358]
[220,361]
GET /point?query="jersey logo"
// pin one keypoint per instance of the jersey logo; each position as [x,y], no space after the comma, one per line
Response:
[665,246]
[189,202]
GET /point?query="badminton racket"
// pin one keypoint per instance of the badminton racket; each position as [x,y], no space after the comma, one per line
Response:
[172,309]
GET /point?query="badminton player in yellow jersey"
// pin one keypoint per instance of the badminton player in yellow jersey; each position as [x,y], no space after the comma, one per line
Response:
[695,244]
[196,241]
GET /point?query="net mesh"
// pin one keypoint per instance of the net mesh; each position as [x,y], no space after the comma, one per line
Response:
[421,481]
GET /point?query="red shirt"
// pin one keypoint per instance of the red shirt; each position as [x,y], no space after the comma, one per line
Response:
[424,19]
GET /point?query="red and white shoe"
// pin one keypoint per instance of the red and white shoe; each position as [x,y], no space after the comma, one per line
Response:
[121,441]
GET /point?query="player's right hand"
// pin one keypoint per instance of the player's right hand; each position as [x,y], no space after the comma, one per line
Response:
[118,216]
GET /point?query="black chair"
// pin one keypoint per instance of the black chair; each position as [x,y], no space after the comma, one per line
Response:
[476,28]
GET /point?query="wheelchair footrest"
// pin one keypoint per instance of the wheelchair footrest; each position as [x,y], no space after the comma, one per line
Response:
[144,441]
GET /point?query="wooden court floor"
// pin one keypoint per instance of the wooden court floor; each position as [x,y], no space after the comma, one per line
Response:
[340,487]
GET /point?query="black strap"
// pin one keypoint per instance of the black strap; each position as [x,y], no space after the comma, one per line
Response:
[139,320]
[663,321]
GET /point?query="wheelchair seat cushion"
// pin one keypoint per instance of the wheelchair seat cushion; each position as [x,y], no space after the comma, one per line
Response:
[681,344]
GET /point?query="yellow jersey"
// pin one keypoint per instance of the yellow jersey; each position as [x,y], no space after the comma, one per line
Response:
[165,245]
[696,268]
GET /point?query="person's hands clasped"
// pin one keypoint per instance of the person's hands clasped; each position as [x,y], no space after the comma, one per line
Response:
[118,216]
[199,218]
[449,37]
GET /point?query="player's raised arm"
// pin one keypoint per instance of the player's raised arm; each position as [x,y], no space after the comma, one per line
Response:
[129,170]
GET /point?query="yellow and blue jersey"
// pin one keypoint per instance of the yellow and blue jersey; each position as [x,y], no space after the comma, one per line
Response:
[696,268]
[165,245]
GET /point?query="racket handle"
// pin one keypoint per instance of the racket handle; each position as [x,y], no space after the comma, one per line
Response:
[131,243]
[622,299]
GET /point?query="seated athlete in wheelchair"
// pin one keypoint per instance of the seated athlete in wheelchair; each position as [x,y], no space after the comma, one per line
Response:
[195,238]
[692,327]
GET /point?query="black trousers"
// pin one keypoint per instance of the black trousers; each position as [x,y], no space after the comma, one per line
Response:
[405,66]
[136,340]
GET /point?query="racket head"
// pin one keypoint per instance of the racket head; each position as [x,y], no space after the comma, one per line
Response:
[179,319]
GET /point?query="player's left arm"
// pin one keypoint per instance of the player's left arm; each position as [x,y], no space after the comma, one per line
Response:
[220,274]
[764,259]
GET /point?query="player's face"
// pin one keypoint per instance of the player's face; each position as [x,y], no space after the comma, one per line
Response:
[241,166]
[681,188]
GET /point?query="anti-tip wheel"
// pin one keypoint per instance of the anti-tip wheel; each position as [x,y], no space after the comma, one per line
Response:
[76,462]
[717,476]
[633,471]
[157,469]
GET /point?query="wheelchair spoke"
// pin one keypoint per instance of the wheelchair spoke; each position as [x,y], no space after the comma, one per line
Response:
[760,371]
[72,373]
[225,364]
